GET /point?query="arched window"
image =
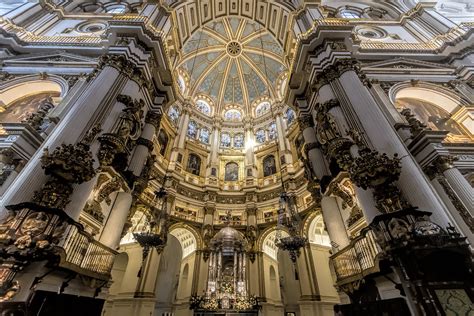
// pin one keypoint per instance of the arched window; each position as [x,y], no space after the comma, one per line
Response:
[260,136]
[239,140]
[116,9]
[434,117]
[233,115]
[290,116]
[204,136]
[163,141]
[192,129]
[181,84]
[272,131]
[231,172]
[262,108]
[194,164]
[349,14]
[269,166]
[203,107]
[173,114]
[225,140]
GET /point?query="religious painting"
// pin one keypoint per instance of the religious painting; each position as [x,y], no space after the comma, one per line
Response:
[231,172]
[269,166]
[432,116]
[194,164]
[262,108]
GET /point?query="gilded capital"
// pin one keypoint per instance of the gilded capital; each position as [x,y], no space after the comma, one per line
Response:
[153,118]
[305,121]
[443,163]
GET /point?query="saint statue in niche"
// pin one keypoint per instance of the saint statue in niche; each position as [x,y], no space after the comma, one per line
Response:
[231,172]
[269,166]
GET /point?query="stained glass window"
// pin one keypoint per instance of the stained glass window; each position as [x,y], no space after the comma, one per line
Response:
[347,14]
[233,115]
[225,140]
[181,84]
[239,140]
[173,113]
[262,108]
[192,129]
[116,9]
[203,107]
[260,136]
[272,131]
[290,116]
[204,135]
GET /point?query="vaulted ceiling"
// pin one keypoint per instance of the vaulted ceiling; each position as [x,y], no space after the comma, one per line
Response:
[232,61]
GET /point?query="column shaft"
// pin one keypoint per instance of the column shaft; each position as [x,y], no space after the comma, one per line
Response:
[112,231]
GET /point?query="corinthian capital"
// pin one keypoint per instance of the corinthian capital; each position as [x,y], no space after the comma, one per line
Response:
[305,121]
[153,118]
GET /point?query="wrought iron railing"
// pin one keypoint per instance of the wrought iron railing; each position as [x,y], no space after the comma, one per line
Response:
[357,259]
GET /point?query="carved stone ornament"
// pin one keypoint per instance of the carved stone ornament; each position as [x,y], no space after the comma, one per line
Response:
[37,120]
[153,118]
[416,126]
[305,121]
[125,66]
[378,172]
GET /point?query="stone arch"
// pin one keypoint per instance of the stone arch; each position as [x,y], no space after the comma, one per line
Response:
[21,98]
[266,242]
[188,237]
[448,105]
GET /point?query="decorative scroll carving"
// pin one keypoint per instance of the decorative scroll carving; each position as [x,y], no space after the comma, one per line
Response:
[378,172]
[305,121]
[416,126]
[37,120]
[153,118]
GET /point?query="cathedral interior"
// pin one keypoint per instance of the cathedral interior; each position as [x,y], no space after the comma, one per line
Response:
[236,157]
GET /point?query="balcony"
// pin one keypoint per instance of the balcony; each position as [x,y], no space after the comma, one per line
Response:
[358,259]
[37,233]
[80,253]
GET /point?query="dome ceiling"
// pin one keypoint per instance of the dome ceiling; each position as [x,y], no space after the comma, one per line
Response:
[234,62]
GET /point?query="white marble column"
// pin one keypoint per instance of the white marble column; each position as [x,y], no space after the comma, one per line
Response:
[315,155]
[413,183]
[183,128]
[145,143]
[112,231]
[80,118]
[457,181]
[334,221]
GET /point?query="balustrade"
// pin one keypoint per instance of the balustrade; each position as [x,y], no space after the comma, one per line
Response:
[358,258]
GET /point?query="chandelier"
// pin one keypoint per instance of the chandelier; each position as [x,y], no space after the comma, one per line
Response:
[289,220]
[157,235]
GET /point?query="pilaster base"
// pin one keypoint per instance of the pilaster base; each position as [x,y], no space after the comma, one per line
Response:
[129,306]
[313,308]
